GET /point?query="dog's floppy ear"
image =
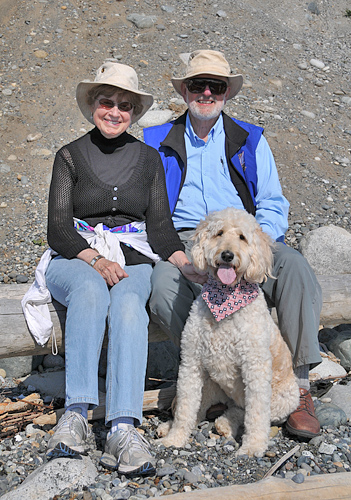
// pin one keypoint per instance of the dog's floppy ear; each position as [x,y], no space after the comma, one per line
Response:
[197,251]
[261,262]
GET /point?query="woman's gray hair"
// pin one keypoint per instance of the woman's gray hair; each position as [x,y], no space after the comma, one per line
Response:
[109,91]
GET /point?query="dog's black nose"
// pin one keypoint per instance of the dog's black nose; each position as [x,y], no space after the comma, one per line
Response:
[227,256]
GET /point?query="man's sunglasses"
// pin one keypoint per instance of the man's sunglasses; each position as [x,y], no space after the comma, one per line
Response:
[122,106]
[198,85]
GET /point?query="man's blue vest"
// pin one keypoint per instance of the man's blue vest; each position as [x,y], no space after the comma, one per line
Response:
[240,146]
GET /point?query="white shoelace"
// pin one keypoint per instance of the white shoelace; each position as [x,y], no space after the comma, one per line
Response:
[134,439]
[68,421]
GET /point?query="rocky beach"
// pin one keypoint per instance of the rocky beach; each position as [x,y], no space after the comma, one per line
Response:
[295,59]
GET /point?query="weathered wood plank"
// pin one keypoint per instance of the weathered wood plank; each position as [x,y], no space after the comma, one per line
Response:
[17,341]
[319,487]
[158,399]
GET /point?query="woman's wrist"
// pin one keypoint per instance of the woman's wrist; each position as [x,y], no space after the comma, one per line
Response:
[95,259]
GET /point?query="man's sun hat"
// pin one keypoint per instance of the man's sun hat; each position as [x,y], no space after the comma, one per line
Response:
[209,62]
[119,75]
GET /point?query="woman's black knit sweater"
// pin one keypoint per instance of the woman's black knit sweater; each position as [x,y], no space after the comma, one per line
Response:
[136,192]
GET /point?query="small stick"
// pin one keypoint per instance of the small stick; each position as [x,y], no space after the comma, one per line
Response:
[281,461]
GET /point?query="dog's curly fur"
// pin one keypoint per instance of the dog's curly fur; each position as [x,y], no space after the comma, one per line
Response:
[241,360]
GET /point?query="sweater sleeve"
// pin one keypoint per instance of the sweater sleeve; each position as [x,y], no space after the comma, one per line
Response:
[162,235]
[62,237]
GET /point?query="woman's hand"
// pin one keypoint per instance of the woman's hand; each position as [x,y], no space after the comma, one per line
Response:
[180,260]
[110,271]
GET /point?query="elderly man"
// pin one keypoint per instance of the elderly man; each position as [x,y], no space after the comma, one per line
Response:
[211,162]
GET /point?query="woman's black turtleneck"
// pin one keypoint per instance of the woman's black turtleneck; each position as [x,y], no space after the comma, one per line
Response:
[113,182]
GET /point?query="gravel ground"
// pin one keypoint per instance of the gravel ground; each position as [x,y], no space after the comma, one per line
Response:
[208,461]
[296,67]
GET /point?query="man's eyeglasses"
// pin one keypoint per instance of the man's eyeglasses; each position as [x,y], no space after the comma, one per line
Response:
[198,85]
[122,106]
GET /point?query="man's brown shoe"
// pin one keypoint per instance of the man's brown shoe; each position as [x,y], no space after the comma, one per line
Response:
[303,421]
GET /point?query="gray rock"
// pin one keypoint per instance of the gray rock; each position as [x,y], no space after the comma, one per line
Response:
[313,8]
[20,278]
[166,471]
[320,244]
[52,361]
[167,8]
[340,395]
[326,448]
[52,477]
[317,63]
[328,369]
[308,114]
[326,334]
[48,383]
[329,414]
[340,345]
[298,478]
[155,117]
[142,21]
[19,366]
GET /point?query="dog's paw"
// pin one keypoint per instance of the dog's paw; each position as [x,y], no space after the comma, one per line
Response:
[164,428]
[251,451]
[223,427]
[177,442]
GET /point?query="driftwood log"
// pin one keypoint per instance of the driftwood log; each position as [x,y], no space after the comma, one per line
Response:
[17,341]
[319,487]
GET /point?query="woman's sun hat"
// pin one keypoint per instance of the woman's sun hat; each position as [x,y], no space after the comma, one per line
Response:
[119,75]
[209,62]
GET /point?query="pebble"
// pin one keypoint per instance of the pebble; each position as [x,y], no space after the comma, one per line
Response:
[308,114]
[317,63]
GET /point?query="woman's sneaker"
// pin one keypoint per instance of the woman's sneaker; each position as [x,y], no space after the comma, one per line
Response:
[69,438]
[129,452]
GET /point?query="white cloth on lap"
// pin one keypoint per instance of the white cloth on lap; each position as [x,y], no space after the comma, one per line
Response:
[107,243]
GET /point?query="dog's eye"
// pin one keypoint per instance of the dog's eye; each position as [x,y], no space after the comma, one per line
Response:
[242,237]
[220,233]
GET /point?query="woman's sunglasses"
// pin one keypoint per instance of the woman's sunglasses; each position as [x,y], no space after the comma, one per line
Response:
[122,106]
[198,85]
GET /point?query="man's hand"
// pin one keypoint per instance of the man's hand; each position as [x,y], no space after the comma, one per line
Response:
[181,261]
[191,274]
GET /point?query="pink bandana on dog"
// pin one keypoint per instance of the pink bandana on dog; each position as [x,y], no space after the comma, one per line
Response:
[224,300]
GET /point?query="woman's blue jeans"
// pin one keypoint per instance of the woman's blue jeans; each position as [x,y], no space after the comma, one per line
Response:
[91,305]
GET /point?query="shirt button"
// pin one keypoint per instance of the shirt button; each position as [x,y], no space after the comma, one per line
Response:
[114,209]
[115,188]
[114,198]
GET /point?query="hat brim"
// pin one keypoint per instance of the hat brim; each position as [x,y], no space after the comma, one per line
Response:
[235,82]
[86,85]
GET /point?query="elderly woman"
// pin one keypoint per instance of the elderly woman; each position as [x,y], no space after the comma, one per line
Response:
[107,188]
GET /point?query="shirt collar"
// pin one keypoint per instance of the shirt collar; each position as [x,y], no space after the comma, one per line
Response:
[214,133]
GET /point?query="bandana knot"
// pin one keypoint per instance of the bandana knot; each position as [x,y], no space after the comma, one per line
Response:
[224,300]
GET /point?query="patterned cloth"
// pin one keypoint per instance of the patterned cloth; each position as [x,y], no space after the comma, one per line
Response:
[224,300]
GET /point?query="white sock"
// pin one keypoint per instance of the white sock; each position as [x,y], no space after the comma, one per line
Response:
[301,373]
[81,408]
[121,423]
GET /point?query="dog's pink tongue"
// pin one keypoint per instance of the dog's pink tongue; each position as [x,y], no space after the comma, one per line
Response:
[226,274]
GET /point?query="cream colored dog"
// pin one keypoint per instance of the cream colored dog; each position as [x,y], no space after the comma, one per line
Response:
[242,359]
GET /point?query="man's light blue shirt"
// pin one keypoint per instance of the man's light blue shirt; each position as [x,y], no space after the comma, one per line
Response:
[208,185]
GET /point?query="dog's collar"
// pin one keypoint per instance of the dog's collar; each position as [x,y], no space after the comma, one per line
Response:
[224,300]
